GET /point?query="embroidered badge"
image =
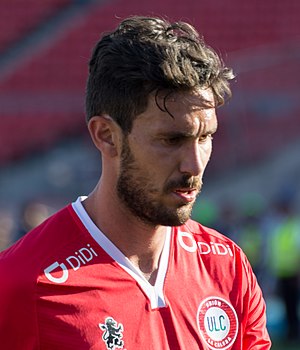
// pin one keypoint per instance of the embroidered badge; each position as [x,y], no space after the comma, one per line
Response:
[217,322]
[113,334]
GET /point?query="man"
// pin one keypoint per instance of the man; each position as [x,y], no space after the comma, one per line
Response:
[125,268]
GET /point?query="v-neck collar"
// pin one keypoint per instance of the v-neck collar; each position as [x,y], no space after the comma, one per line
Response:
[154,293]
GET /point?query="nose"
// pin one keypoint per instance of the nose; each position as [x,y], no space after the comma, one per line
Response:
[194,159]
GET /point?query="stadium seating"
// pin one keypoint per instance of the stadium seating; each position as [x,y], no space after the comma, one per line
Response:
[239,31]
[18,18]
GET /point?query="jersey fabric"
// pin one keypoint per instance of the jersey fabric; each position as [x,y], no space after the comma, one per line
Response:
[65,286]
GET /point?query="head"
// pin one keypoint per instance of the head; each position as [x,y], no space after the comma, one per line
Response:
[140,73]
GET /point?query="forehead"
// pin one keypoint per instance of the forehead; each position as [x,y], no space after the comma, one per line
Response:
[180,110]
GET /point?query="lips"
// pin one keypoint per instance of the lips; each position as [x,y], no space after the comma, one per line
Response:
[186,194]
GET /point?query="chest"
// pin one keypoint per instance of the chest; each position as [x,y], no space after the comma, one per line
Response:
[100,305]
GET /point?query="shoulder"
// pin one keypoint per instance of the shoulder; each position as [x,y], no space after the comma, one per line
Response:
[208,238]
[206,232]
[20,268]
[221,265]
[215,249]
[25,258]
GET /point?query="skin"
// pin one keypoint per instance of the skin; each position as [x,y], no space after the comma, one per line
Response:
[159,167]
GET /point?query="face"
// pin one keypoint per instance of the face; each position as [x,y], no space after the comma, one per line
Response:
[164,157]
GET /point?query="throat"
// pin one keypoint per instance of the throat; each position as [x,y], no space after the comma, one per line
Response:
[146,254]
[147,268]
[151,277]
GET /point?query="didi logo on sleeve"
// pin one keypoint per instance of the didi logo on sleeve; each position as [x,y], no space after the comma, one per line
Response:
[59,272]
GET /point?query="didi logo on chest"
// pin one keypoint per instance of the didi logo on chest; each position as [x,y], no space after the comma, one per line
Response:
[217,323]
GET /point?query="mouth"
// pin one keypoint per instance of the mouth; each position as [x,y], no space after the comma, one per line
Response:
[187,195]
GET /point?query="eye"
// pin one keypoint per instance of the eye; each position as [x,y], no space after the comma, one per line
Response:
[205,138]
[172,141]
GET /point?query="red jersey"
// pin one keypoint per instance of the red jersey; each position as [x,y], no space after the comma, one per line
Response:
[65,286]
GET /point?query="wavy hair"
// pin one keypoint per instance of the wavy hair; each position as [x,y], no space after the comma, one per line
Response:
[145,55]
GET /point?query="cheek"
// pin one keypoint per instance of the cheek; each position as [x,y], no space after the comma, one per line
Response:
[207,147]
[154,158]
[206,151]
[156,168]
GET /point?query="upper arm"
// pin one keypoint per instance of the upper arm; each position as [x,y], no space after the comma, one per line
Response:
[17,307]
[255,329]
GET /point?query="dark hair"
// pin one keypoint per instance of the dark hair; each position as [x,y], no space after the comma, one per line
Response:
[145,55]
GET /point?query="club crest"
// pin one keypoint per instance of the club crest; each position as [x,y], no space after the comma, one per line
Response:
[217,322]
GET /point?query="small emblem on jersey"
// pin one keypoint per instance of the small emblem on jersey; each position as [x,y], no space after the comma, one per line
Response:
[112,334]
[217,323]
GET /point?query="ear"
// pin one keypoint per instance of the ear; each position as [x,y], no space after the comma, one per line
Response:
[106,135]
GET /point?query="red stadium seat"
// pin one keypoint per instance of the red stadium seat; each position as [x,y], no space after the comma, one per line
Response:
[53,80]
[18,17]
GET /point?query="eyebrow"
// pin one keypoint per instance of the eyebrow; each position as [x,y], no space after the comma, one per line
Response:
[182,134]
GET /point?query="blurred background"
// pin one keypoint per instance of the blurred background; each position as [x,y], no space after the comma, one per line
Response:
[251,187]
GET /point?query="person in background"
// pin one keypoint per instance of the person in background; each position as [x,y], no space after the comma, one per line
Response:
[284,259]
[6,228]
[32,213]
[125,267]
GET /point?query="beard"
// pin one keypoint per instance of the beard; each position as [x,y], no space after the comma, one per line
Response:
[137,190]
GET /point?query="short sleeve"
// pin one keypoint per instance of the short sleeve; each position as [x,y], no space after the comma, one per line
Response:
[255,336]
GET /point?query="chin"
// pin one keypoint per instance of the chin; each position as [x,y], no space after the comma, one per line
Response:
[180,218]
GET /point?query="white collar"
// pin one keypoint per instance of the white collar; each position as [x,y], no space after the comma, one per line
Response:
[154,293]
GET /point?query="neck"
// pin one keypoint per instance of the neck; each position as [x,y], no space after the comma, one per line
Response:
[142,244]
